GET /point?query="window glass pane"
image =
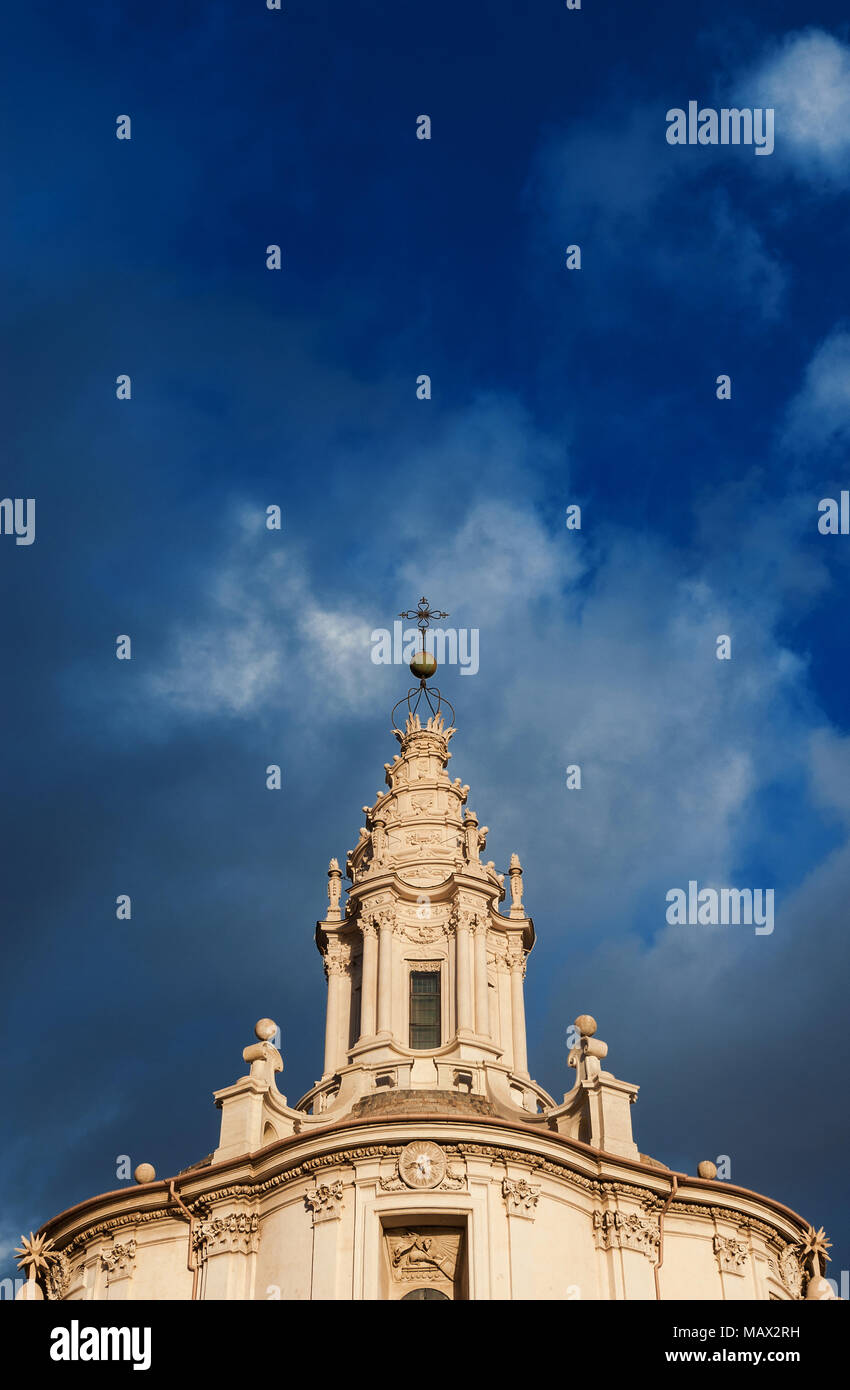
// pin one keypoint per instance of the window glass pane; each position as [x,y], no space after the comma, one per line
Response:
[424,1009]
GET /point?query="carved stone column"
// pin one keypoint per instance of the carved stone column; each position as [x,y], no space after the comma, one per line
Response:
[516,961]
[337,978]
[463,975]
[385,974]
[225,1248]
[482,1002]
[325,1201]
[369,981]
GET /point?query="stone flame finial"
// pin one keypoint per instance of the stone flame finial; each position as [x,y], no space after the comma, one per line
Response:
[515,871]
[334,891]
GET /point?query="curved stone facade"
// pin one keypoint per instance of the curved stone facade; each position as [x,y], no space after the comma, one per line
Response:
[515,1214]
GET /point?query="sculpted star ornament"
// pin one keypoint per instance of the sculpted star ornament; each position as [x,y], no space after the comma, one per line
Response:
[422,1164]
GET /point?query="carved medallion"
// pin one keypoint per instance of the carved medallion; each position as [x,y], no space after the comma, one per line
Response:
[422,1164]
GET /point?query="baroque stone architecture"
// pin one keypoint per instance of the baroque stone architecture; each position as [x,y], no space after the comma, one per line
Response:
[425,1162]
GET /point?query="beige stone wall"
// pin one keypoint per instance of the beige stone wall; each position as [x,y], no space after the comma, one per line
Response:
[501,1213]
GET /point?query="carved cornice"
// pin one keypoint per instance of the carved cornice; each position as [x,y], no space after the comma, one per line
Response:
[111,1224]
[500,1153]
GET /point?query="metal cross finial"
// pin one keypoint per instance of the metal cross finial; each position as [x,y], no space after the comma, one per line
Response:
[423,666]
[424,613]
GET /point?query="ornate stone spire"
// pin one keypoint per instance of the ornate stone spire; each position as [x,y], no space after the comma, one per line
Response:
[423,903]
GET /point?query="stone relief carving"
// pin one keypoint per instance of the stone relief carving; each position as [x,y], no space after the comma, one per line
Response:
[422,838]
[239,1231]
[429,1255]
[119,1258]
[423,932]
[57,1277]
[325,1201]
[790,1274]
[515,960]
[618,1230]
[520,1195]
[788,1269]
[423,1165]
[337,958]
[731,1254]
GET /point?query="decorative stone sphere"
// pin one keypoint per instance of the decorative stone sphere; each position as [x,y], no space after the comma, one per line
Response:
[819,1288]
[145,1172]
[423,665]
[29,1290]
[707,1169]
[265,1029]
[586,1025]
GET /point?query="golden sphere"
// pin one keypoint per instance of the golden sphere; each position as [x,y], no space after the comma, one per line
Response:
[145,1173]
[423,665]
[707,1169]
[586,1024]
[265,1029]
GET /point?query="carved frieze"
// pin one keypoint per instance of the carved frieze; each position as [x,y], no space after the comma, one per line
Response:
[784,1261]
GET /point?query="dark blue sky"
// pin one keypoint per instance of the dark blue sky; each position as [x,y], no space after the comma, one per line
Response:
[250,647]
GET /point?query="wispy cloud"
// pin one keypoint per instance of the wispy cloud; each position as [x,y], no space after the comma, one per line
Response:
[805,77]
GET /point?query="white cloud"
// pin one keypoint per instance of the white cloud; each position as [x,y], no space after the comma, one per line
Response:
[806,79]
[597,648]
[617,187]
[819,416]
